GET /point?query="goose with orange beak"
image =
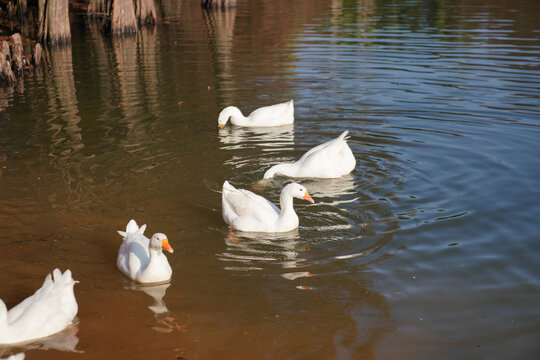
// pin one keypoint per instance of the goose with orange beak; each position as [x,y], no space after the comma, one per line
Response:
[142,259]
[245,211]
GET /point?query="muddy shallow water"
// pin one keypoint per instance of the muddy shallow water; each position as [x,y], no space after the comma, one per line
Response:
[429,249]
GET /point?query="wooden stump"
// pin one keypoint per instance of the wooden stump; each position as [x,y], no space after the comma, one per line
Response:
[123,17]
[17,53]
[5,72]
[16,39]
[13,62]
[36,56]
[17,58]
[4,51]
[123,21]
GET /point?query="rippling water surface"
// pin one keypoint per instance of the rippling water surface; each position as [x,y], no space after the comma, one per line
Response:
[429,249]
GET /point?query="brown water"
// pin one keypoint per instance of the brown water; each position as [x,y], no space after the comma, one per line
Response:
[428,250]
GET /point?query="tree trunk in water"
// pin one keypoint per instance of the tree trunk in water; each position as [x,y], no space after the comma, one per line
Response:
[123,21]
[54,21]
[145,12]
[122,17]
[218,3]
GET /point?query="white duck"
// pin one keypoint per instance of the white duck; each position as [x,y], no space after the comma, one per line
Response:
[273,115]
[246,211]
[19,356]
[49,310]
[332,159]
[140,258]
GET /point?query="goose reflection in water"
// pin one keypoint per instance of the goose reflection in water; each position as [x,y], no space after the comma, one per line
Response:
[66,340]
[166,322]
[278,138]
[248,251]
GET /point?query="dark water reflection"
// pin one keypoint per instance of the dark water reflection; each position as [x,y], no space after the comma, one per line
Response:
[427,250]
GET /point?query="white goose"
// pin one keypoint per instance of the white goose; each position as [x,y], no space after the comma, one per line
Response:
[49,310]
[273,115]
[332,159]
[19,356]
[140,258]
[246,211]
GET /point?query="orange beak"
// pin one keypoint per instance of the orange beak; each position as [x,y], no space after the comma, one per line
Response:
[221,126]
[308,197]
[165,245]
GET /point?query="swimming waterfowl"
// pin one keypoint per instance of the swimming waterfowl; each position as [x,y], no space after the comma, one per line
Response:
[243,210]
[332,159]
[141,259]
[273,115]
[49,310]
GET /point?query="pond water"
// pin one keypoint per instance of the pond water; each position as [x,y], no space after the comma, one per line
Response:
[429,249]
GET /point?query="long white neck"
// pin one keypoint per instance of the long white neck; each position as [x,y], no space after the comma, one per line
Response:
[287,217]
[286,169]
[236,116]
[154,263]
[154,254]
[3,318]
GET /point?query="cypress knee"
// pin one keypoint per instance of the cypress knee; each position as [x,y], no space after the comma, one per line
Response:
[4,51]
[36,56]
[5,72]
[17,53]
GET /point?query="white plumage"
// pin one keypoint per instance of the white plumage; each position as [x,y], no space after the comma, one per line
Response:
[331,159]
[273,115]
[49,310]
[246,211]
[141,259]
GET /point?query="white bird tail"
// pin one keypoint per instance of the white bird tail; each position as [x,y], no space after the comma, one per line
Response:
[132,228]
[228,186]
[344,136]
